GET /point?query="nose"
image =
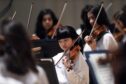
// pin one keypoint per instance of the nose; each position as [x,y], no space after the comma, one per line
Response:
[63,44]
[91,21]
[47,21]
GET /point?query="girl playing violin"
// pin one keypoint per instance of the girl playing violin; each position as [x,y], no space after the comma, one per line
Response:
[100,38]
[120,24]
[72,69]
[46,21]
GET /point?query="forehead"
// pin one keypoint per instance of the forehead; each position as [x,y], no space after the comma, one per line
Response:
[47,16]
[90,14]
[65,39]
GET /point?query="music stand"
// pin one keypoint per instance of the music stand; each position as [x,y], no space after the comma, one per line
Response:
[99,74]
[50,48]
[49,67]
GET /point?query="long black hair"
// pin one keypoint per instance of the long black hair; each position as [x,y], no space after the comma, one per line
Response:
[86,24]
[17,49]
[40,31]
[103,18]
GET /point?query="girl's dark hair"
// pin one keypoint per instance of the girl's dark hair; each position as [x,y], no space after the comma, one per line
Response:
[124,8]
[86,24]
[40,31]
[84,16]
[102,19]
[120,15]
[66,32]
[18,49]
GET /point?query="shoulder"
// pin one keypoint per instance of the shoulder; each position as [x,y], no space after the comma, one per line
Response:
[82,57]
[109,41]
[42,77]
[40,70]
[108,35]
[9,80]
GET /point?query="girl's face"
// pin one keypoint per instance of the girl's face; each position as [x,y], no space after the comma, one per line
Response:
[65,43]
[91,18]
[47,22]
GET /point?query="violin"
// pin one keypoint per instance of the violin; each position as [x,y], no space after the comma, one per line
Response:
[99,32]
[52,30]
[74,52]
[50,33]
[119,35]
[69,60]
[96,34]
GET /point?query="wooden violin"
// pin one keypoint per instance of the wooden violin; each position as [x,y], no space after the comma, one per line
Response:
[119,35]
[69,60]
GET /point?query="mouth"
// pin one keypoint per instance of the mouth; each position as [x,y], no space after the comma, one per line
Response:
[64,48]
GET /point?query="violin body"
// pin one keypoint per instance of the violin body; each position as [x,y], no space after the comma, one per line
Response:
[119,35]
[50,33]
[68,61]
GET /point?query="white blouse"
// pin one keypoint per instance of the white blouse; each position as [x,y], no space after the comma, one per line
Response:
[78,75]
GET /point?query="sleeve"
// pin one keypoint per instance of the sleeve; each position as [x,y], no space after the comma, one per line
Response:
[109,42]
[80,74]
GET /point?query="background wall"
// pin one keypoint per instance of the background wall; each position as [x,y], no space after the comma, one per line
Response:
[70,17]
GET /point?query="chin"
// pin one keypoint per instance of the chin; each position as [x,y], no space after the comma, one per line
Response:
[64,49]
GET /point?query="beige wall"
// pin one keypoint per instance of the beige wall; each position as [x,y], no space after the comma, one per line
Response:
[70,17]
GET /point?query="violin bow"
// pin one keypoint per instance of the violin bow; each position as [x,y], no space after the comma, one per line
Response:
[97,18]
[61,15]
[29,15]
[108,7]
[14,14]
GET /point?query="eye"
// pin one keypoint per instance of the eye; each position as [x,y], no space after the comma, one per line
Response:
[60,41]
[44,20]
[65,40]
[49,19]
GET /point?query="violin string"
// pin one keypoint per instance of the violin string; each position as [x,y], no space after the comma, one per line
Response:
[108,7]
